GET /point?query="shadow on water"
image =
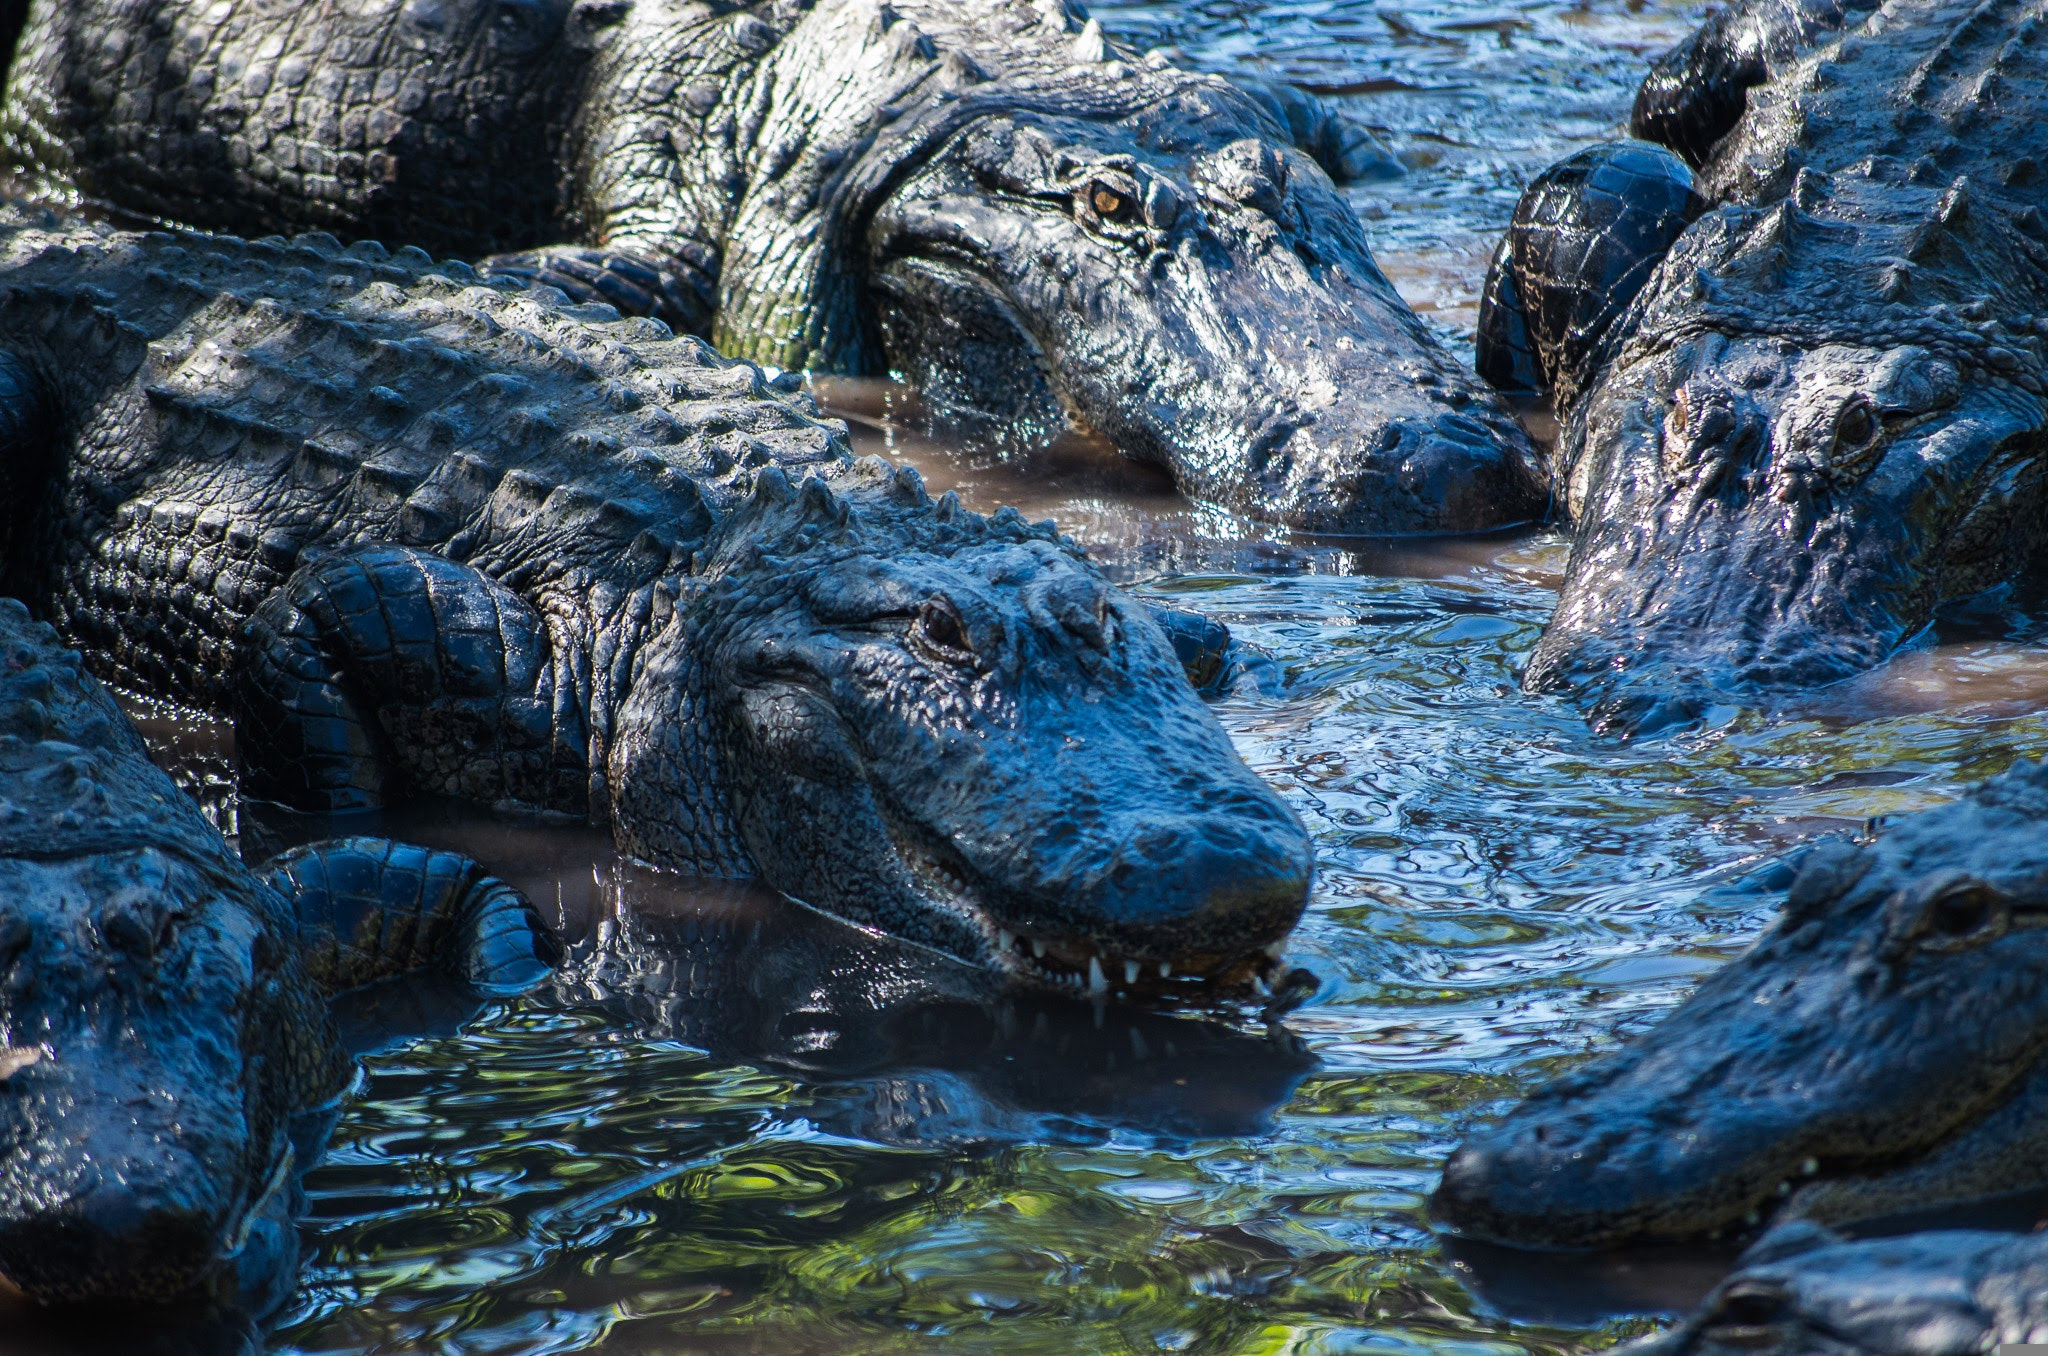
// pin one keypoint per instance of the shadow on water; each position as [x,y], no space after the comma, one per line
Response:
[908,1046]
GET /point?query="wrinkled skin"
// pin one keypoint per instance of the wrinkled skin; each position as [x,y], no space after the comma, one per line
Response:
[1882,1048]
[1203,298]
[553,562]
[1820,420]
[943,741]
[1694,94]
[839,187]
[1802,1291]
[151,990]
[1903,486]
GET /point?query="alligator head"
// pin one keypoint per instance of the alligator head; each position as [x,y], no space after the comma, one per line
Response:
[1195,290]
[1814,437]
[1895,1006]
[949,728]
[1802,1289]
[1040,229]
[153,1052]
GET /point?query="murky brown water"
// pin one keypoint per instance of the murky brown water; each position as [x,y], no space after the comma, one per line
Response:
[736,1127]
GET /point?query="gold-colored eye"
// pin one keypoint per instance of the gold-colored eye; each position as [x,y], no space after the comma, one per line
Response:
[1113,204]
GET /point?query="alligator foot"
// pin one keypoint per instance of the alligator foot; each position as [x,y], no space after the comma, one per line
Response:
[1586,236]
[369,908]
[676,291]
[384,669]
[1201,645]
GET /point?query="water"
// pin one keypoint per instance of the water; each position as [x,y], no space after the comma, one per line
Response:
[735,1127]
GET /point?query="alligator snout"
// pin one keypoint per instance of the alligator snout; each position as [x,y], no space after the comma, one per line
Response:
[1178,896]
[1422,472]
[146,1225]
[1505,1185]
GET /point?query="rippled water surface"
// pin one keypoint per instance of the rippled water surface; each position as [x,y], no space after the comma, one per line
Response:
[735,1127]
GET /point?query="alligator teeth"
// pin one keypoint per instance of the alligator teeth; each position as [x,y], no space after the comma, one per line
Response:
[1038,948]
[1004,939]
[1259,983]
[1165,970]
[1809,1167]
[1130,972]
[1098,983]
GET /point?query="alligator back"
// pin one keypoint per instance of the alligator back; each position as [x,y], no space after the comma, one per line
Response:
[223,408]
[1951,88]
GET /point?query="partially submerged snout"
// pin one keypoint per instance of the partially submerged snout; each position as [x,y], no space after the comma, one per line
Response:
[1208,303]
[953,729]
[1894,1007]
[1760,516]
[141,1162]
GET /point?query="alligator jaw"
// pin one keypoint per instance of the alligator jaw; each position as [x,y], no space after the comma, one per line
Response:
[1066,964]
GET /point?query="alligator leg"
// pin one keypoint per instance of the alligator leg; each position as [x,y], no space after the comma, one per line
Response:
[369,908]
[1346,150]
[1586,236]
[1696,92]
[676,289]
[382,670]
[1201,645]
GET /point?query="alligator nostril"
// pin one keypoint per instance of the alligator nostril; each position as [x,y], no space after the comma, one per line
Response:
[1750,1304]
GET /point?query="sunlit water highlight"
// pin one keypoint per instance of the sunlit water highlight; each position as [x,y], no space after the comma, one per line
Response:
[734,1127]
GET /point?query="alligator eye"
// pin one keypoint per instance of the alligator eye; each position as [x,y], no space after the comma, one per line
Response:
[1113,204]
[1856,431]
[1962,909]
[939,630]
[1951,912]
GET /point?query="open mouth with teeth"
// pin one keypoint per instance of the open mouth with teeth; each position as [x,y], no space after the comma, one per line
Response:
[1077,965]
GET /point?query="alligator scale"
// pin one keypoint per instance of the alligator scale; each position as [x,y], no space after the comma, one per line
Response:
[1803,395]
[553,561]
[1032,223]
[168,1065]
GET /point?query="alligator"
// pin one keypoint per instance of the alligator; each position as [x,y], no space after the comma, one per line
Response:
[1031,222]
[1801,392]
[1883,1048]
[166,1053]
[418,535]
[1804,1291]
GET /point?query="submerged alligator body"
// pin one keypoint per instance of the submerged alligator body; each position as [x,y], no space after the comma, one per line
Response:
[420,535]
[1803,394]
[1882,1049]
[166,1054]
[1032,223]
[1802,1291]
